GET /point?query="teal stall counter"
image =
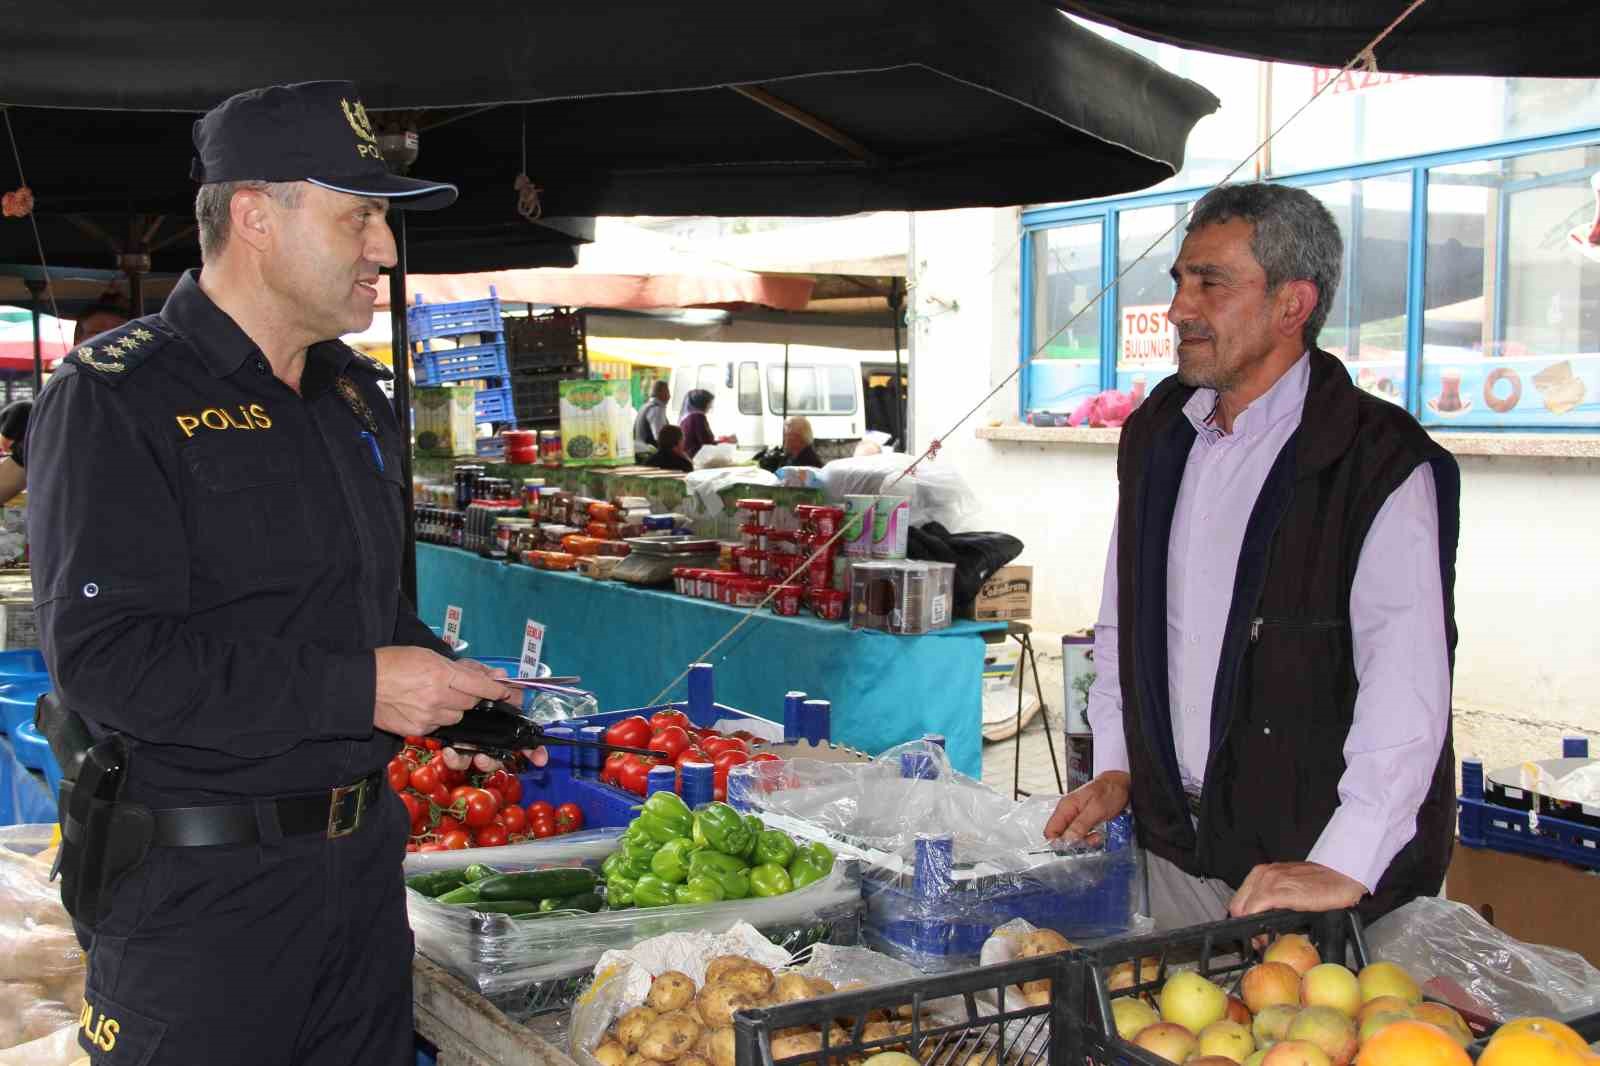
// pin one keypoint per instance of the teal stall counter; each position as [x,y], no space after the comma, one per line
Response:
[627,643]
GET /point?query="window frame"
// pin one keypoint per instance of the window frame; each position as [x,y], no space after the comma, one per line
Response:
[1038,221]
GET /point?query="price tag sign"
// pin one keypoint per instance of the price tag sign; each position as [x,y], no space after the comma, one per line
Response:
[532,648]
[452,625]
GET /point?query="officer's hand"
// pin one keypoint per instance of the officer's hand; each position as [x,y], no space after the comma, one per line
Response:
[462,760]
[1084,809]
[1295,886]
[420,690]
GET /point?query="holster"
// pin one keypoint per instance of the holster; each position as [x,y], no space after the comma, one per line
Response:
[102,837]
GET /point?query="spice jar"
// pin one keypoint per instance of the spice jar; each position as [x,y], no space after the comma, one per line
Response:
[827,604]
[787,600]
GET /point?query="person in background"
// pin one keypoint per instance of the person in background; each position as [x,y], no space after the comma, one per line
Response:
[696,425]
[104,315]
[13,430]
[797,443]
[652,416]
[669,451]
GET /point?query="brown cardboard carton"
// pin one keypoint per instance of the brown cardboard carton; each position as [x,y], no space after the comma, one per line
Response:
[1541,901]
[1007,594]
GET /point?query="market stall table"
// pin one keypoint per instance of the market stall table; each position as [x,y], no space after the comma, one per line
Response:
[626,643]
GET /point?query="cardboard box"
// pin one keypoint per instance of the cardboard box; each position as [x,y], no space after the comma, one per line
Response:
[1541,901]
[596,422]
[443,421]
[1007,594]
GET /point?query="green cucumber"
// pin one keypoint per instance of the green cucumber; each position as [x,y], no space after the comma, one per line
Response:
[464,894]
[513,907]
[477,872]
[535,885]
[583,901]
[437,882]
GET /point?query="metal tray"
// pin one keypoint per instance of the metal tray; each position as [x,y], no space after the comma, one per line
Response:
[672,547]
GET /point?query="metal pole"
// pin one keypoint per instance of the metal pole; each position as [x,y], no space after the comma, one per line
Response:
[35,290]
[896,302]
[400,356]
[785,425]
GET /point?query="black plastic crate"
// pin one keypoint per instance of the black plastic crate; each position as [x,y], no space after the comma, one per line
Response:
[548,340]
[952,1019]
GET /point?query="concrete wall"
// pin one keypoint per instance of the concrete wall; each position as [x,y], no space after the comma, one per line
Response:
[1528,582]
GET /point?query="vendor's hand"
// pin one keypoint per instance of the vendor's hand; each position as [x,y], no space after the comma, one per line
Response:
[1084,809]
[1295,886]
[420,690]
[461,760]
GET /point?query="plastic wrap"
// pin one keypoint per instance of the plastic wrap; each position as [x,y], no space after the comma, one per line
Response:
[24,799]
[588,847]
[1452,951]
[946,859]
[937,491]
[41,963]
[498,954]
[701,499]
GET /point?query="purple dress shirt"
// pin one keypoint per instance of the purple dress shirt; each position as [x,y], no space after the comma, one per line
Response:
[1396,614]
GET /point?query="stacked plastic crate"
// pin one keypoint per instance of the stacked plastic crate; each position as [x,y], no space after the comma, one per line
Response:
[545,349]
[477,351]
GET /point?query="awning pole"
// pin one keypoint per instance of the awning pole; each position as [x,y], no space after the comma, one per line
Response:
[400,359]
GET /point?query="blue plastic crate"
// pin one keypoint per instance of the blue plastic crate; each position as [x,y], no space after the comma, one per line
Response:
[494,405]
[425,320]
[33,750]
[1489,825]
[474,363]
[18,697]
[21,662]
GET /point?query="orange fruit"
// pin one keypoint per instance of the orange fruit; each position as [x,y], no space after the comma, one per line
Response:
[1411,1043]
[1547,1026]
[1529,1047]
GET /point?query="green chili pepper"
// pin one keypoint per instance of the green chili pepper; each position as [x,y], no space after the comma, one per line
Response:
[770,879]
[728,871]
[671,863]
[698,890]
[651,891]
[774,847]
[724,829]
[665,817]
[812,862]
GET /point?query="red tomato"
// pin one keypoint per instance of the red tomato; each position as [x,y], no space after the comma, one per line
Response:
[451,778]
[456,840]
[613,767]
[432,744]
[729,758]
[765,756]
[541,809]
[425,778]
[543,826]
[433,846]
[691,755]
[635,773]
[458,792]
[569,817]
[513,818]
[399,774]
[512,789]
[491,836]
[671,742]
[411,847]
[447,824]
[661,719]
[440,797]
[631,732]
[481,807]
[413,742]
[416,808]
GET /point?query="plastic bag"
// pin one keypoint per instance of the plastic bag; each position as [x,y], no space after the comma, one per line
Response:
[946,859]
[701,499]
[1578,786]
[1448,947]
[23,799]
[715,456]
[497,954]
[938,492]
[41,962]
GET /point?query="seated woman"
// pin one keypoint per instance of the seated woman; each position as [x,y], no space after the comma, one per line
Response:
[798,439]
[669,451]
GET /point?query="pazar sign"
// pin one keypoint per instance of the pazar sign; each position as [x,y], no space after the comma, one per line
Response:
[1148,338]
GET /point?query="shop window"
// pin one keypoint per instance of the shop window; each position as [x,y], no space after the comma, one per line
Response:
[1511,333]
[749,389]
[1066,277]
[1146,341]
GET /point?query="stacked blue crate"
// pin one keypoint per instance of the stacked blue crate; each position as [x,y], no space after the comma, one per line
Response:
[484,361]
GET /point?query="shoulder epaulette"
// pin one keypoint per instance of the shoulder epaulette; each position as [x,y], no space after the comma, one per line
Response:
[363,361]
[113,355]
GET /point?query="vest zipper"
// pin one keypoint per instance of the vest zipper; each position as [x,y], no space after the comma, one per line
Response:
[1290,623]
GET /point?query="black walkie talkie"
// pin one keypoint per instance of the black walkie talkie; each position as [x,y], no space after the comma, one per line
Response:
[498,729]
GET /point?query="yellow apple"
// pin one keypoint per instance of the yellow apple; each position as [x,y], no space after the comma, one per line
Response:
[1132,1015]
[1331,985]
[1270,983]
[1295,1053]
[1387,979]
[1329,1029]
[1272,1024]
[1167,1040]
[1192,1002]
[1294,949]
[1226,1039]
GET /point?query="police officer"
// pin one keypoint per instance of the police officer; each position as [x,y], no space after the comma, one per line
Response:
[218,536]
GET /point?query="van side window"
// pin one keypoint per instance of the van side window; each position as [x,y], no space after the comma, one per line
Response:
[749,389]
[804,399]
[841,390]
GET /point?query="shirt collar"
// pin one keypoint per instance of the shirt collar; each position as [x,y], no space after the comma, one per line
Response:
[223,347]
[1285,399]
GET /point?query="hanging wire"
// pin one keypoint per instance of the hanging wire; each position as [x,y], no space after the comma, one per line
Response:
[33,221]
[1365,58]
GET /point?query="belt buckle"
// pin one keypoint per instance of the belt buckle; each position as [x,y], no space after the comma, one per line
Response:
[338,803]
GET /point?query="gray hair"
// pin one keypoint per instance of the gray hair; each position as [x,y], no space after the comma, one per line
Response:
[802,425]
[1295,238]
[214,202]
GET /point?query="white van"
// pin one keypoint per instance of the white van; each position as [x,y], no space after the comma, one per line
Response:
[824,384]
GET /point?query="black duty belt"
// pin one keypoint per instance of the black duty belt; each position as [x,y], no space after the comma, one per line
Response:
[335,813]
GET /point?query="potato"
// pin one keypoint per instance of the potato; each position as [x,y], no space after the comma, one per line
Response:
[668,1037]
[692,1009]
[632,1026]
[718,1046]
[723,964]
[718,1002]
[637,1059]
[792,987]
[787,1043]
[756,980]
[880,1031]
[692,1059]
[671,991]
[610,1053]
[821,986]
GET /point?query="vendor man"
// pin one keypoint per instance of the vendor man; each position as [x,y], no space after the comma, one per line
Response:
[1276,632]
[218,512]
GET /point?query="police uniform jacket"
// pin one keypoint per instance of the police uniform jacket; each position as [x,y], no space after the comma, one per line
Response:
[215,557]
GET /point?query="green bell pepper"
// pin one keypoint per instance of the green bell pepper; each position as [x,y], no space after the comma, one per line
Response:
[728,871]
[651,891]
[757,827]
[774,847]
[770,879]
[811,862]
[698,890]
[614,866]
[723,829]
[665,817]
[671,863]
[636,858]
[619,892]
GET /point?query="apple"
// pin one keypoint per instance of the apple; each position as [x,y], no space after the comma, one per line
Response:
[1445,1018]
[1372,1023]
[1331,985]
[1387,979]
[1270,983]
[1192,1002]
[1256,1057]
[1238,1012]
[1132,1016]
[1272,1024]
[1294,949]
[1167,1040]
[1295,1053]
[1329,1029]
[1212,1060]
[1383,1005]
[1228,1040]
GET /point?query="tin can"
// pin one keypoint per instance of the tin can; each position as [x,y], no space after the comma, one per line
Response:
[827,604]
[787,601]
[826,521]
[859,511]
[891,524]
